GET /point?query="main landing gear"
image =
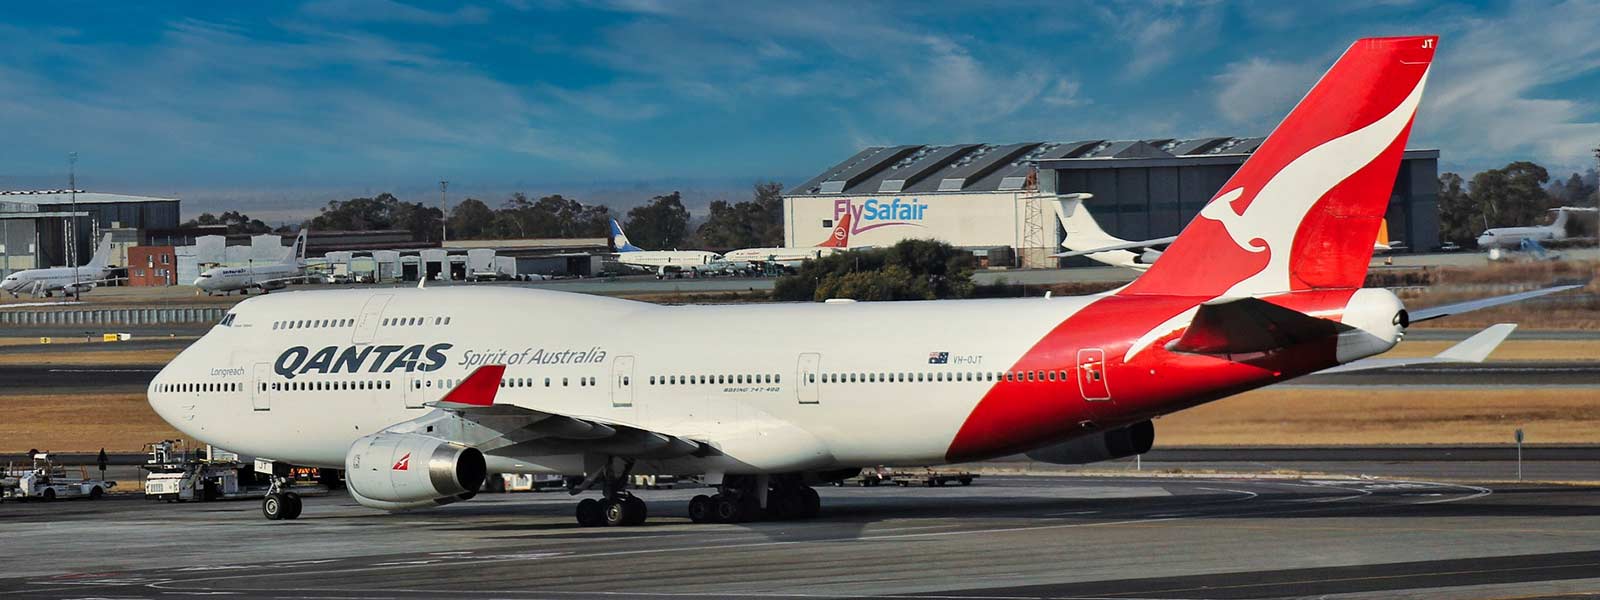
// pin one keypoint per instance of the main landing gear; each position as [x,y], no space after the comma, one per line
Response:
[617,507]
[739,499]
[280,504]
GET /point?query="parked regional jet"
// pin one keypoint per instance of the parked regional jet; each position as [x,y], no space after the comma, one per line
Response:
[663,262]
[420,393]
[67,280]
[264,277]
[791,258]
[1512,237]
[1084,237]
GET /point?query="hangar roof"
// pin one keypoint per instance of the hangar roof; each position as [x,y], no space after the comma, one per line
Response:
[51,197]
[1005,167]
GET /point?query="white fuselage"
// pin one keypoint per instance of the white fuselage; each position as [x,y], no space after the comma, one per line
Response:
[672,260]
[1511,237]
[53,279]
[229,279]
[788,257]
[678,370]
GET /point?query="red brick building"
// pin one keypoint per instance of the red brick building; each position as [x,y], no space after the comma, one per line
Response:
[152,265]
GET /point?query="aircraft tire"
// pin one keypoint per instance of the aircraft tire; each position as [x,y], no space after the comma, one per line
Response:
[637,511]
[273,507]
[810,503]
[294,505]
[729,509]
[702,509]
[590,513]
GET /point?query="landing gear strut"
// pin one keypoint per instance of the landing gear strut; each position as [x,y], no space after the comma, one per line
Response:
[280,504]
[618,507]
[739,499]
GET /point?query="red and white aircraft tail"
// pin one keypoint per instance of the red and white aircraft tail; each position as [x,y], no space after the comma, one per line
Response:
[840,238]
[1302,212]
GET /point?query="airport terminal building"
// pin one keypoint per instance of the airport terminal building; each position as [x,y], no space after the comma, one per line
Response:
[995,198]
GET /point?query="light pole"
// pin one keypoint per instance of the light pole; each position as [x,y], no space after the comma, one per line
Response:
[444,221]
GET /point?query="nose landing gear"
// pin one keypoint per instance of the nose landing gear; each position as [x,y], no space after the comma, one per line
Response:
[280,504]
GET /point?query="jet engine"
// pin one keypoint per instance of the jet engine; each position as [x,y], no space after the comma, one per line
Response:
[395,471]
[77,288]
[1106,445]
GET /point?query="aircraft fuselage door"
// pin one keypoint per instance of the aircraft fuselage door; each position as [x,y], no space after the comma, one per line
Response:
[371,315]
[622,382]
[808,383]
[417,390]
[1092,374]
[260,387]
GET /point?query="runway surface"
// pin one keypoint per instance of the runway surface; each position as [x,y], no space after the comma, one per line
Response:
[1035,537]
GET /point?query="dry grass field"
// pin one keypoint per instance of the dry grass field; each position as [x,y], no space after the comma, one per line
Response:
[89,354]
[1307,417]
[79,423]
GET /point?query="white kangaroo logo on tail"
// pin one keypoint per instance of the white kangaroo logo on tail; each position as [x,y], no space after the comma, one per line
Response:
[1275,213]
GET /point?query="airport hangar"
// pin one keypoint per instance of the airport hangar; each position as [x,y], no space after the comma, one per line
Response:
[34,225]
[994,199]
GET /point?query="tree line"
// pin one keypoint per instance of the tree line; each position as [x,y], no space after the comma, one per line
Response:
[1521,193]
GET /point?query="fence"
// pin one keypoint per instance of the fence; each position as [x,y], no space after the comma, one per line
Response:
[113,316]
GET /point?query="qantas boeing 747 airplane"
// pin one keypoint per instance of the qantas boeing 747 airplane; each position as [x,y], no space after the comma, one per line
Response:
[420,393]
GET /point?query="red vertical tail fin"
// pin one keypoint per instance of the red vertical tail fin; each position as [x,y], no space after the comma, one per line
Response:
[840,238]
[1303,210]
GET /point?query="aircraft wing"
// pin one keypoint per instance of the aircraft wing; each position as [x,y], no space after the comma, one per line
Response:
[1121,246]
[1471,350]
[468,414]
[1434,312]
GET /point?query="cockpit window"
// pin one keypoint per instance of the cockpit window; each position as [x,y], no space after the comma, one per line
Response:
[227,320]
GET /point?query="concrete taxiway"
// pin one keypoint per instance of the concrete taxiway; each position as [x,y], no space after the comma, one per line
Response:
[1018,537]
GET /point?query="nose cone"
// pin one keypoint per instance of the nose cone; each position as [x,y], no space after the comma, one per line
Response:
[1484,240]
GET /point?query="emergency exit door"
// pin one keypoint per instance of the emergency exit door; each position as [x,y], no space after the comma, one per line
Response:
[808,389]
[261,387]
[371,314]
[1092,374]
[622,382]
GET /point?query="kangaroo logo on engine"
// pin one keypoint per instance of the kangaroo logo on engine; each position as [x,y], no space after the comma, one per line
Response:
[299,360]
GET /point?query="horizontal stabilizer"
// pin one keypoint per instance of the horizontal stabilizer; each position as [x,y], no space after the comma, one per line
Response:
[1425,314]
[1471,350]
[1250,325]
[1121,246]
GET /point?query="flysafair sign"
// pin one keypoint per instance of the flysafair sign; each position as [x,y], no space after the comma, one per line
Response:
[875,213]
[300,360]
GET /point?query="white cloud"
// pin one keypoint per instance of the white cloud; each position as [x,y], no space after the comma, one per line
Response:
[1492,93]
[1259,91]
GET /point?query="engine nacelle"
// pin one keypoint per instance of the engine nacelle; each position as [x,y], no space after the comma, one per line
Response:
[77,288]
[394,471]
[273,285]
[1106,445]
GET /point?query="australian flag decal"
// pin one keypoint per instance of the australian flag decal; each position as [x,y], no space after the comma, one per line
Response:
[938,358]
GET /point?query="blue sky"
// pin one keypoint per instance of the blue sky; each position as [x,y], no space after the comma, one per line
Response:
[277,107]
